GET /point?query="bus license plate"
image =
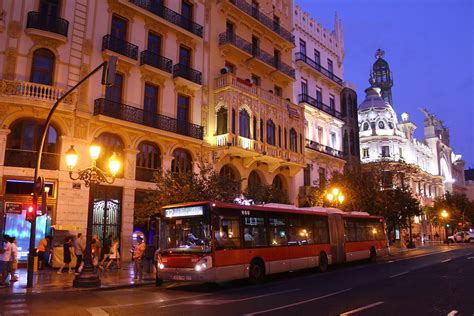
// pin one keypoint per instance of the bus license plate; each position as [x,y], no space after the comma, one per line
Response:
[179,277]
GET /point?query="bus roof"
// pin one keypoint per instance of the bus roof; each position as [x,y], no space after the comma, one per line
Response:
[275,207]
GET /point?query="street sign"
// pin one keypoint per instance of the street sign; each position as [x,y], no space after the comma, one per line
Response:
[13,208]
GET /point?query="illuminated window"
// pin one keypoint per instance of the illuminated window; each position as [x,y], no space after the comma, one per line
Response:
[42,67]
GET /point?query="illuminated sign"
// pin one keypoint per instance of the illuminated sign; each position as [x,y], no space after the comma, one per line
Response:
[184,211]
[13,208]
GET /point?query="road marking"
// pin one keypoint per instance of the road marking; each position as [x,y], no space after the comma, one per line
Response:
[470,258]
[452,313]
[361,309]
[15,305]
[399,274]
[447,260]
[390,261]
[97,311]
[17,312]
[298,303]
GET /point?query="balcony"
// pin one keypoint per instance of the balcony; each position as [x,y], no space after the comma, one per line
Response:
[270,60]
[190,74]
[265,20]
[27,159]
[25,92]
[138,116]
[159,62]
[304,98]
[305,59]
[48,23]
[145,174]
[311,144]
[226,38]
[120,46]
[170,16]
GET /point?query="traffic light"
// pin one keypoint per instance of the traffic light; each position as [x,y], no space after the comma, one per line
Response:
[30,213]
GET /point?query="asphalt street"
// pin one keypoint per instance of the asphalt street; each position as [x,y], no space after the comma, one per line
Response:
[434,284]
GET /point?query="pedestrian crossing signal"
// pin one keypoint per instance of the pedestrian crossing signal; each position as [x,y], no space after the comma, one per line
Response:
[30,213]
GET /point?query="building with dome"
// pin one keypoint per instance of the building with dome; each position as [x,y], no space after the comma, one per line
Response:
[434,168]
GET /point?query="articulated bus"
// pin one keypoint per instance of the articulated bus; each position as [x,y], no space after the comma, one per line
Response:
[217,242]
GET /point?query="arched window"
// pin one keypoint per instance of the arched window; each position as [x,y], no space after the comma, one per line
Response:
[381,125]
[233,121]
[278,182]
[293,140]
[366,126]
[244,124]
[110,144]
[229,172]
[222,121]
[352,143]
[182,162]
[343,105]
[254,126]
[279,136]
[262,137]
[23,143]
[254,182]
[270,132]
[148,160]
[345,143]
[42,67]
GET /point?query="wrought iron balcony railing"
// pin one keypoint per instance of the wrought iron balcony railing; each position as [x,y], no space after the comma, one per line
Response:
[134,115]
[27,159]
[311,144]
[237,41]
[265,20]
[49,23]
[319,105]
[183,71]
[149,58]
[120,46]
[169,15]
[284,68]
[145,174]
[318,67]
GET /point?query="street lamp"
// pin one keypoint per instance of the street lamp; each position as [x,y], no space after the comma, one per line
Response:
[92,176]
[445,216]
[335,196]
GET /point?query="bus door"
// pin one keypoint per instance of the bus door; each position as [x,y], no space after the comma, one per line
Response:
[336,235]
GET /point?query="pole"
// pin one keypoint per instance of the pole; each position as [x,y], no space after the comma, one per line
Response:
[29,282]
[88,277]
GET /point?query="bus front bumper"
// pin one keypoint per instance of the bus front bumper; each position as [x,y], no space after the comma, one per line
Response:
[190,275]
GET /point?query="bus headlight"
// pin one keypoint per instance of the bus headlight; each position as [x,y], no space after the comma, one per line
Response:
[161,266]
[203,264]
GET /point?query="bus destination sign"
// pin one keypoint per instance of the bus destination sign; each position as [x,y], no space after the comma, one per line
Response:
[184,211]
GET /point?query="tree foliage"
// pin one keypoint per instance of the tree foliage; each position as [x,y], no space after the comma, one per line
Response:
[460,210]
[267,194]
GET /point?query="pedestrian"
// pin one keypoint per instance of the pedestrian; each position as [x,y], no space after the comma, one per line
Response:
[68,252]
[79,249]
[96,249]
[42,246]
[106,249]
[114,255]
[13,260]
[5,255]
[138,254]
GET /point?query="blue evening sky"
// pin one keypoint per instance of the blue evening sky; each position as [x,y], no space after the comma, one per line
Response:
[429,46]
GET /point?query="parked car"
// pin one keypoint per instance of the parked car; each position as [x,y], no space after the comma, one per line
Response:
[462,236]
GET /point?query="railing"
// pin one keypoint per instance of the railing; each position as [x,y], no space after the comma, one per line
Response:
[284,68]
[318,67]
[263,56]
[27,159]
[169,15]
[145,174]
[311,144]
[120,46]
[33,90]
[188,73]
[319,105]
[237,41]
[149,58]
[265,20]
[49,23]
[134,115]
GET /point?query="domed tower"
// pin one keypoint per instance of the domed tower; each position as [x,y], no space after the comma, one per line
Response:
[383,76]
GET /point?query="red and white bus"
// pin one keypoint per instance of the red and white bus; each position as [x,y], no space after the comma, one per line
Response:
[216,242]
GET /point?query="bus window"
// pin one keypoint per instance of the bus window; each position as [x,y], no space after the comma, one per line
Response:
[375,230]
[321,232]
[361,231]
[300,231]
[350,231]
[255,232]
[278,234]
[228,234]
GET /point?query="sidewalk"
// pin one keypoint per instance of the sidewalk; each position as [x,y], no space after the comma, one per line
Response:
[48,280]
[425,249]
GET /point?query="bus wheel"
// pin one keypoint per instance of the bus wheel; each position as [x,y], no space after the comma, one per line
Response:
[256,272]
[373,255]
[158,282]
[323,262]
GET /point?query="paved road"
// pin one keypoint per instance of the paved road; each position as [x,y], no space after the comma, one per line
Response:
[435,284]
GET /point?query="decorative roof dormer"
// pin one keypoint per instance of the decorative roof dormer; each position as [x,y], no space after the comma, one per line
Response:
[383,76]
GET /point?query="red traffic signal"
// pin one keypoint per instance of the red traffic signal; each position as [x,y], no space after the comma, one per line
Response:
[30,213]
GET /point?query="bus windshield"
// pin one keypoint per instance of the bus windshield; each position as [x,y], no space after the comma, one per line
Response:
[186,235]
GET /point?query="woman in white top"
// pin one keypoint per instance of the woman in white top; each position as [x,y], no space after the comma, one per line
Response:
[114,255]
[13,260]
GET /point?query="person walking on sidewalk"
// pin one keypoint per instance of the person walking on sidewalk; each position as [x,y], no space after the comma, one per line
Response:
[138,254]
[5,255]
[79,249]
[68,252]
[106,249]
[96,249]
[42,246]
[114,255]
[13,260]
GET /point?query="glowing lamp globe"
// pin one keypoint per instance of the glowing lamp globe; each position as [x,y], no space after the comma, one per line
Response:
[71,157]
[114,164]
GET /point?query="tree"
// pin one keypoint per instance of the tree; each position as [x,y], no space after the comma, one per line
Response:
[459,208]
[267,194]
[173,187]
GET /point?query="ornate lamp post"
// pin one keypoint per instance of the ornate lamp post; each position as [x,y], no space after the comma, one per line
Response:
[335,196]
[445,216]
[92,176]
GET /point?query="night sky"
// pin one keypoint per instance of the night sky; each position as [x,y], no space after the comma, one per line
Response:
[429,47]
